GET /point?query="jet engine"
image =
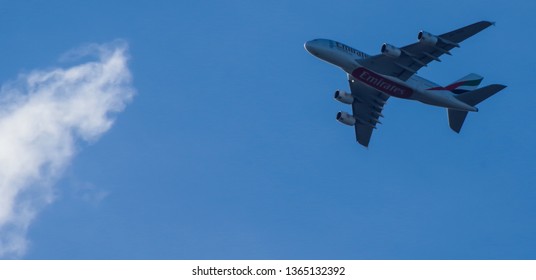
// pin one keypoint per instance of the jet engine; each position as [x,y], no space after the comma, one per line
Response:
[344,97]
[345,118]
[390,50]
[427,38]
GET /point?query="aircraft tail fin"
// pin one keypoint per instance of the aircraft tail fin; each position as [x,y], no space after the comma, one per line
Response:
[465,84]
[456,117]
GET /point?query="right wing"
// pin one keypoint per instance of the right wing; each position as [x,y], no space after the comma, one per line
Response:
[418,55]
[366,109]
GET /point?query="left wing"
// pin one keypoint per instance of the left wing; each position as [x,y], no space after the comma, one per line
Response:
[366,109]
[406,61]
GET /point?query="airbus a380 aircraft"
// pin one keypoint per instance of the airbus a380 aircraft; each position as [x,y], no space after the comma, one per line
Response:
[373,79]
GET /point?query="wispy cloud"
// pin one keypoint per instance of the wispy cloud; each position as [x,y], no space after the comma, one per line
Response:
[42,116]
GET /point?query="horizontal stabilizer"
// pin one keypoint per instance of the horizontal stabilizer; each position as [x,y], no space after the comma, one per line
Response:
[456,117]
[476,96]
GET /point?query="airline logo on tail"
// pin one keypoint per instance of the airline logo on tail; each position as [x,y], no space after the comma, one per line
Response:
[468,83]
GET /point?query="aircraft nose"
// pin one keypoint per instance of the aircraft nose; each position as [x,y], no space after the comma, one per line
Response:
[310,47]
[307,46]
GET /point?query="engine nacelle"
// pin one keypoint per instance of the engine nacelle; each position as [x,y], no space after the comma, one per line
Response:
[344,97]
[427,38]
[390,50]
[345,118]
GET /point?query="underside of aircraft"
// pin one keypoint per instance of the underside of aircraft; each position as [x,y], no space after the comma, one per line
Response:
[392,73]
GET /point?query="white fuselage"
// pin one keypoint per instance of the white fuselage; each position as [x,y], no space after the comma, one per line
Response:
[416,87]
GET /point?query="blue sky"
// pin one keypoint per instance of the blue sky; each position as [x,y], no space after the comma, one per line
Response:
[230,148]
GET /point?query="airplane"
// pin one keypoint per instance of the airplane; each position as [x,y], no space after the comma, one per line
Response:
[392,73]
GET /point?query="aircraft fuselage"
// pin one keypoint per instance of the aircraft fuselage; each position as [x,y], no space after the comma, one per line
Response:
[415,88]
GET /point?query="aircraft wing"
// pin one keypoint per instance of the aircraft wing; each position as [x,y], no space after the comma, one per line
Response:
[366,109]
[413,57]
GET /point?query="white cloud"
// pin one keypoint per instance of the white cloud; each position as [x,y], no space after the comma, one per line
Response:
[42,115]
